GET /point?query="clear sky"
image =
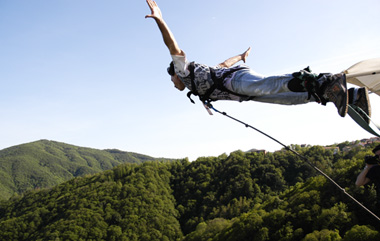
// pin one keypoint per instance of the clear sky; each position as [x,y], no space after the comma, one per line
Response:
[92,73]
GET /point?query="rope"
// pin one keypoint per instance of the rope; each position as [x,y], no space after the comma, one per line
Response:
[299,155]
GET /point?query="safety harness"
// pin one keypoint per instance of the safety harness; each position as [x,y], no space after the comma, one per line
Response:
[304,80]
[217,85]
[309,81]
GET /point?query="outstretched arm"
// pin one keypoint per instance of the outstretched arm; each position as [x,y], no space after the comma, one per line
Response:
[362,179]
[167,35]
[233,60]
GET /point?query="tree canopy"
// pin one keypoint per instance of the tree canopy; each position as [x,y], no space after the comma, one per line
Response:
[44,164]
[241,196]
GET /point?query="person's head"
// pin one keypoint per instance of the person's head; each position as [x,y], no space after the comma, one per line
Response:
[376,151]
[174,78]
[371,160]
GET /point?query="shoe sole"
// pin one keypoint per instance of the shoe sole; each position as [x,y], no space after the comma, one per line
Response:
[344,108]
[364,94]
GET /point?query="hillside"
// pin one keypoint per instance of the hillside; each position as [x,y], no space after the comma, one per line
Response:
[45,163]
[243,196]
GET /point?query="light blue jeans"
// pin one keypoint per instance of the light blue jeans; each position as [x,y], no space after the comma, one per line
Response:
[272,89]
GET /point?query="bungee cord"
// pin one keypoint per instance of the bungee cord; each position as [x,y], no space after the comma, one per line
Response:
[208,105]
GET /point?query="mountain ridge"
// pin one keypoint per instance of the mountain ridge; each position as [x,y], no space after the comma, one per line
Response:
[46,163]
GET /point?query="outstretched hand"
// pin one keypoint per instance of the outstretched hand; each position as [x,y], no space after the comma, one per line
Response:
[156,12]
[245,54]
[167,35]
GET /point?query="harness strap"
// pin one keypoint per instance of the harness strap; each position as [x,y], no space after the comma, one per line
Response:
[309,82]
[218,84]
[192,76]
[356,114]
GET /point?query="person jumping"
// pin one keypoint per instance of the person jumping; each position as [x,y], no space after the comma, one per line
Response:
[228,82]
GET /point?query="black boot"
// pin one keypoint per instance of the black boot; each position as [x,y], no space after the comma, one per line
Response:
[358,98]
[335,90]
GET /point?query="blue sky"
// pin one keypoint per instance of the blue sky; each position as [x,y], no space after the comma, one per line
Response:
[93,73]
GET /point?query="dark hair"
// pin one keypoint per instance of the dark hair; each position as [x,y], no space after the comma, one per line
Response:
[371,159]
[171,69]
[376,149]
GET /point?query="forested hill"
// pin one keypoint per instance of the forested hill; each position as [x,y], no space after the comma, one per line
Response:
[243,196]
[46,163]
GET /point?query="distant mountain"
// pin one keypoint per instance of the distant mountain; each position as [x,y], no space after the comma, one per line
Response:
[46,163]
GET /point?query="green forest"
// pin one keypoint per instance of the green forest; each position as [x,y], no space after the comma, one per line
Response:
[240,196]
[43,164]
